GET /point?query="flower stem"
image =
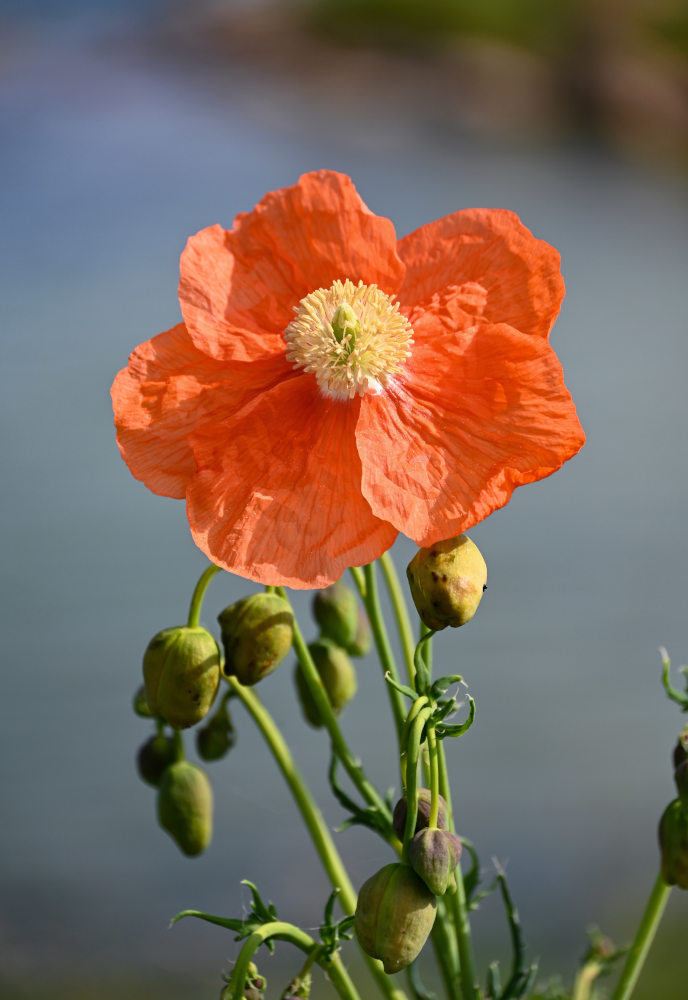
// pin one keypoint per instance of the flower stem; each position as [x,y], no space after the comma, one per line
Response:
[312,817]
[400,610]
[339,745]
[643,939]
[377,624]
[294,935]
[457,900]
[434,777]
[198,595]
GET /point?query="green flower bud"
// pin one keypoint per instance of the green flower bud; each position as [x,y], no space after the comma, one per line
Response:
[335,609]
[681,748]
[185,807]
[181,670]
[337,674]
[447,582]
[299,988]
[154,756]
[140,703]
[394,916]
[673,844]
[434,854]
[216,737]
[681,779]
[257,634]
[423,814]
[363,640]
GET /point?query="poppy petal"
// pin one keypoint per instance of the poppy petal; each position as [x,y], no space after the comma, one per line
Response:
[168,388]
[277,496]
[520,276]
[238,289]
[450,443]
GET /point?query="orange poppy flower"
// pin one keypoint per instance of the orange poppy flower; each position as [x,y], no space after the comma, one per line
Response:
[331,386]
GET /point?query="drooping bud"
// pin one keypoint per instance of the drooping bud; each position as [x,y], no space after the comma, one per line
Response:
[140,703]
[257,634]
[433,855]
[423,814]
[673,844]
[216,737]
[335,609]
[681,748]
[181,670]
[681,779]
[154,756]
[337,674]
[363,640]
[447,582]
[185,807]
[394,916]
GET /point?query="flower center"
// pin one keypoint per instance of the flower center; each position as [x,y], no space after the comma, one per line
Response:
[351,337]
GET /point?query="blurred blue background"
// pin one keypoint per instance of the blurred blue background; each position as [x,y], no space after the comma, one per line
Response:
[124,128]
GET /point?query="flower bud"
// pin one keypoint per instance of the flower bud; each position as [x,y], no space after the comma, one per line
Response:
[216,737]
[257,634]
[154,756]
[140,703]
[337,674]
[363,639]
[447,582]
[394,916]
[423,814]
[185,807]
[299,988]
[336,611]
[681,779]
[433,855]
[181,670]
[681,748]
[673,844]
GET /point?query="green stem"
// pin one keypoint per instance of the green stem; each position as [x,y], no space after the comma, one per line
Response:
[412,754]
[198,595]
[434,777]
[457,901]
[444,946]
[377,624]
[643,939]
[396,596]
[312,817]
[178,741]
[585,980]
[427,646]
[359,580]
[339,744]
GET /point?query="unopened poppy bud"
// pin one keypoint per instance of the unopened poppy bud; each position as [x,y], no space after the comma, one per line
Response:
[216,737]
[681,748]
[673,844]
[140,703]
[363,640]
[257,634]
[337,674]
[681,779]
[181,670]
[423,814]
[335,609]
[154,756]
[433,855]
[185,807]
[447,582]
[394,916]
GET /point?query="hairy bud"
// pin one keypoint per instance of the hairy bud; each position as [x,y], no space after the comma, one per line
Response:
[447,582]
[335,609]
[337,674]
[394,916]
[433,855]
[673,844]
[257,634]
[216,737]
[181,671]
[423,814]
[185,807]
[154,757]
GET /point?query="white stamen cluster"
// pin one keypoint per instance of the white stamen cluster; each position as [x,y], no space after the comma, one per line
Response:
[351,337]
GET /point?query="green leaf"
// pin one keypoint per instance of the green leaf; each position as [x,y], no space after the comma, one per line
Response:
[401,688]
[418,990]
[447,729]
[371,816]
[442,683]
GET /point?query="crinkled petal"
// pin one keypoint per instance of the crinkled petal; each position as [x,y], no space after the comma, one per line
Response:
[520,276]
[238,289]
[449,443]
[167,390]
[277,496]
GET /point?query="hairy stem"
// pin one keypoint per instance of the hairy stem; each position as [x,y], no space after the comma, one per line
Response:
[643,939]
